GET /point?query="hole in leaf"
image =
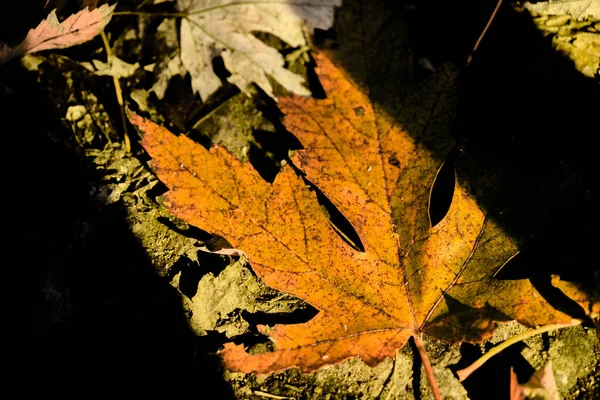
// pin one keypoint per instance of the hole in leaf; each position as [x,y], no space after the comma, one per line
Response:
[264,162]
[297,316]
[269,149]
[442,191]
[219,68]
[338,221]
[314,85]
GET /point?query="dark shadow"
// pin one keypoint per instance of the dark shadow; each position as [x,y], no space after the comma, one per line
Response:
[91,314]
[492,379]
[189,231]
[266,153]
[524,126]
[297,316]
[416,373]
[193,271]
[463,323]
[17,17]
[273,145]
[524,130]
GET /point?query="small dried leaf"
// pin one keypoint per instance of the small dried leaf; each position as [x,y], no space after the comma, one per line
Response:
[224,28]
[51,34]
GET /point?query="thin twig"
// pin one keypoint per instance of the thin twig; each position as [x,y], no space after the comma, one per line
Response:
[271,396]
[464,373]
[209,114]
[428,368]
[487,26]
[142,4]
[119,94]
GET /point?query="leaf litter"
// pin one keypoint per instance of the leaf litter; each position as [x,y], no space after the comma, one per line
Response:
[324,385]
[213,28]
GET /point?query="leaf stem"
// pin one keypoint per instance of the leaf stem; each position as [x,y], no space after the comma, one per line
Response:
[209,114]
[465,372]
[428,368]
[118,93]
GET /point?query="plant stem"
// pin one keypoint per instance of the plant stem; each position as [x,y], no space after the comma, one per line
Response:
[465,372]
[221,6]
[487,26]
[118,93]
[153,14]
[428,368]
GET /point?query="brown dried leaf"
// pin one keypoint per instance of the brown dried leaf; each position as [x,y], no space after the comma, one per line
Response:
[52,34]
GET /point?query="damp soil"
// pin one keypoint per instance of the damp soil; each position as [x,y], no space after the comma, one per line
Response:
[115,295]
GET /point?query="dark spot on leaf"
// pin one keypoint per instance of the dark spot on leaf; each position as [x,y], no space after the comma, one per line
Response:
[359,111]
[394,161]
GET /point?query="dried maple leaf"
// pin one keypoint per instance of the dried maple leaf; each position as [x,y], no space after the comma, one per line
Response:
[410,279]
[52,34]
[224,28]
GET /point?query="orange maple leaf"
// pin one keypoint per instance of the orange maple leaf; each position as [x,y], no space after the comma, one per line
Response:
[410,279]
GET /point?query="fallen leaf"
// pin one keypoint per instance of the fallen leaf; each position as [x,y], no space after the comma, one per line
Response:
[52,34]
[541,385]
[410,279]
[224,28]
[114,67]
[580,41]
[578,9]
[220,300]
